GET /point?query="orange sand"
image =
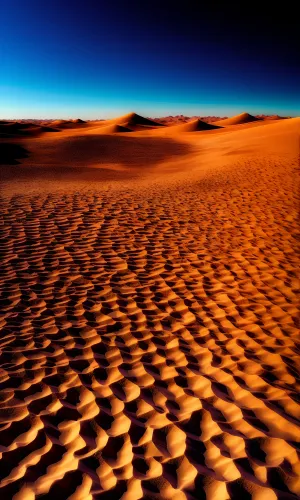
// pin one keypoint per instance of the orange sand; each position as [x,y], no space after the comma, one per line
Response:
[238,120]
[149,347]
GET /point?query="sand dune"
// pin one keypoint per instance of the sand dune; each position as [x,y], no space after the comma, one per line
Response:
[65,124]
[103,147]
[149,344]
[113,129]
[177,119]
[194,126]
[17,129]
[133,121]
[271,117]
[237,120]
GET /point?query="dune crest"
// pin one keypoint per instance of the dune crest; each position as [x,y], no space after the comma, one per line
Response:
[238,120]
[65,124]
[19,129]
[133,120]
[194,126]
[113,129]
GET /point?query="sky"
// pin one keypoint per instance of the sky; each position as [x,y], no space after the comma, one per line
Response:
[103,58]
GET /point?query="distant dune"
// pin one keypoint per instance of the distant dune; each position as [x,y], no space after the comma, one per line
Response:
[80,143]
[133,117]
[238,120]
[68,123]
[193,126]
[113,129]
[177,119]
[133,121]
[18,129]
[271,117]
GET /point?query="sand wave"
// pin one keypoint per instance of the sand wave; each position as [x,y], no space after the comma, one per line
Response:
[149,344]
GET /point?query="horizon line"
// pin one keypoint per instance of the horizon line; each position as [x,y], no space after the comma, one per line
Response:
[76,117]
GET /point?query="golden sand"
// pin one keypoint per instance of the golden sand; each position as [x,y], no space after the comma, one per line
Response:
[237,120]
[149,345]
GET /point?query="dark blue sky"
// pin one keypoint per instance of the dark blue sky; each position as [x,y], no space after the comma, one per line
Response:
[103,58]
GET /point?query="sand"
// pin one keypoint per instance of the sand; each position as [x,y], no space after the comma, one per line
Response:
[113,129]
[149,341]
[238,120]
[194,126]
[234,120]
[133,121]
[10,130]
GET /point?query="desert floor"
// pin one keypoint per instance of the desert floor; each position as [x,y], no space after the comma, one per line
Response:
[149,341]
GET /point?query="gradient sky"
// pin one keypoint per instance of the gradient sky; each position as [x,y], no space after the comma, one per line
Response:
[97,59]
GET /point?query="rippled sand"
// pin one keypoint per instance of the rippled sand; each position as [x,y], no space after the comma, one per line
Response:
[149,341]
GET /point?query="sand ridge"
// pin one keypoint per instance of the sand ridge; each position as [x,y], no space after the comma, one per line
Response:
[133,121]
[66,124]
[107,144]
[113,129]
[17,129]
[193,126]
[238,119]
[149,340]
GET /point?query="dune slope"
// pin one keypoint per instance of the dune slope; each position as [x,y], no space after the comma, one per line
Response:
[134,120]
[66,124]
[194,126]
[11,130]
[113,129]
[149,340]
[238,120]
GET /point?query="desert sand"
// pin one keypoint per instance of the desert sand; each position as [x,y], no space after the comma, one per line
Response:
[149,340]
[238,119]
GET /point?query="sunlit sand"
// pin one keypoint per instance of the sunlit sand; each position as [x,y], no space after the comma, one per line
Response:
[149,341]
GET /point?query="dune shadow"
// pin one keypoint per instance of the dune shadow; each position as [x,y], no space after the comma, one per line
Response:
[62,174]
[15,130]
[87,158]
[87,150]
[10,153]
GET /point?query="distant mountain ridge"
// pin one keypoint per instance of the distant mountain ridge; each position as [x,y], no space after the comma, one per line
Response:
[130,117]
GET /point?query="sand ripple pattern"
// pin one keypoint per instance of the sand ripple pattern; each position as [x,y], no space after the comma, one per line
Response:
[148,342]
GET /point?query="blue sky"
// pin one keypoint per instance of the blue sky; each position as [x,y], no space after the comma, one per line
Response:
[98,59]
